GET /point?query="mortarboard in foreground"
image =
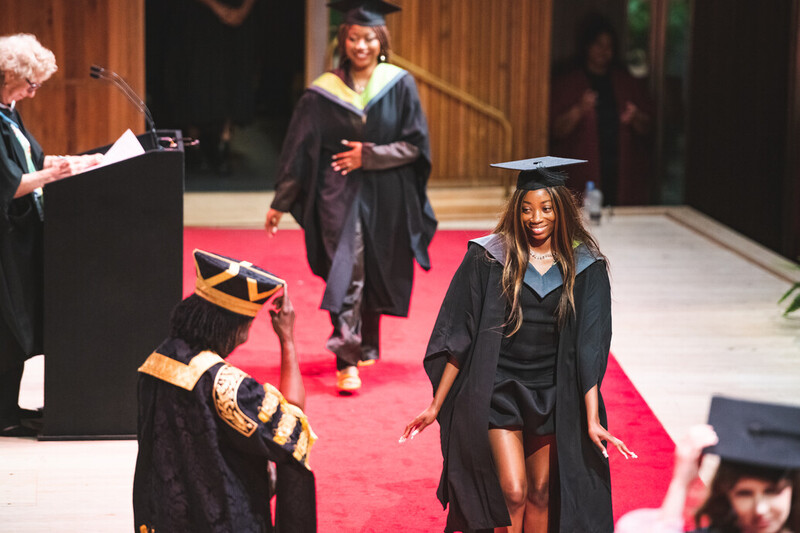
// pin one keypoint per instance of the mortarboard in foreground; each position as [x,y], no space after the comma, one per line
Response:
[759,434]
[238,286]
[364,12]
[539,172]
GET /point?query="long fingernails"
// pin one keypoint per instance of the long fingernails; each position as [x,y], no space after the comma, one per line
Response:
[634,455]
[605,454]
[414,433]
[402,440]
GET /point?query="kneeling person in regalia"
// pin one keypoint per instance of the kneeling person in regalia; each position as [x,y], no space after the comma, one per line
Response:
[214,444]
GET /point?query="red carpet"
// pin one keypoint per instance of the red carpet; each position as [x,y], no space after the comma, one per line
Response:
[366,481]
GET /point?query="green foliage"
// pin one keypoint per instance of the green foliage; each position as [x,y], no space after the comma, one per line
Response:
[638,23]
[794,305]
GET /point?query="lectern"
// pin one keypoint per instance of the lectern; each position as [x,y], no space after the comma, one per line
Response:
[113,249]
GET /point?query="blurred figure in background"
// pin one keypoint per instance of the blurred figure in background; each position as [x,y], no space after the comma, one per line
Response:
[206,57]
[600,113]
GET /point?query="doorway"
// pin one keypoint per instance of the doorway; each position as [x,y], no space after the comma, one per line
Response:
[231,84]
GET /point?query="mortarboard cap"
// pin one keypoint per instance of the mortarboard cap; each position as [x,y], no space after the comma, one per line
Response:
[364,12]
[758,434]
[539,172]
[238,286]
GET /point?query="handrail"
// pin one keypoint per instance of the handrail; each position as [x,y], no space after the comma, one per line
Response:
[420,74]
[463,96]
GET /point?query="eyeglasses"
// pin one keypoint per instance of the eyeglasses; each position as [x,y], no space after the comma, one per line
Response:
[33,86]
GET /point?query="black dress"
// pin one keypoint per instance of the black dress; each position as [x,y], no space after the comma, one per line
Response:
[524,394]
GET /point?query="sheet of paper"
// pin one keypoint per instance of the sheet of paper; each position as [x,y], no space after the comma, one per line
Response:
[125,147]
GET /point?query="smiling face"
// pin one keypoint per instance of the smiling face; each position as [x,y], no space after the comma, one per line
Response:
[362,47]
[761,506]
[537,216]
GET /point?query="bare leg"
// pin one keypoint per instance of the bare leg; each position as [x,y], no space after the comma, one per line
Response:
[509,458]
[537,466]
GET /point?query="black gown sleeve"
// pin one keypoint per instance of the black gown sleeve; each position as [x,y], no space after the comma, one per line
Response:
[383,156]
[259,421]
[299,158]
[594,326]
[457,324]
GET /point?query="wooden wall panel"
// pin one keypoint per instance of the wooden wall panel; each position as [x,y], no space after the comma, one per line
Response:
[73,112]
[496,50]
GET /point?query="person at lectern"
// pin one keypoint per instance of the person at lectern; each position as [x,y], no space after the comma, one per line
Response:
[210,436]
[24,171]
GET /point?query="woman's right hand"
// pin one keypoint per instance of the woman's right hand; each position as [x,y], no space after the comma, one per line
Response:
[271,224]
[423,420]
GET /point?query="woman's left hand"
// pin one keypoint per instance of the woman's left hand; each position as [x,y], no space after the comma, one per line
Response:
[346,162]
[597,433]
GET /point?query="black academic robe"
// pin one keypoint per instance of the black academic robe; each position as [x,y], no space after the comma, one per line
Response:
[469,329]
[390,200]
[21,267]
[207,432]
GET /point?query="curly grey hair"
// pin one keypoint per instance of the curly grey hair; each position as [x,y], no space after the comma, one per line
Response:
[23,56]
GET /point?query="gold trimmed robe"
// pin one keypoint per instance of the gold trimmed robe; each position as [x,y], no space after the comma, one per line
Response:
[207,432]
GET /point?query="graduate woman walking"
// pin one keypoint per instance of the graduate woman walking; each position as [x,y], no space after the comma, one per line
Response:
[516,360]
[353,173]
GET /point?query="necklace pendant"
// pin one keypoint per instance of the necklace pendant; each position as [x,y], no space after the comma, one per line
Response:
[541,257]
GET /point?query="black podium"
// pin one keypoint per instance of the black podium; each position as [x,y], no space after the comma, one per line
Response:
[113,249]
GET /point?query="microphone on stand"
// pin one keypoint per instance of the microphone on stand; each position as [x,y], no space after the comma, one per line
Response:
[99,73]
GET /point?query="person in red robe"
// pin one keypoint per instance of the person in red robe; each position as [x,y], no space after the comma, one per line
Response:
[600,113]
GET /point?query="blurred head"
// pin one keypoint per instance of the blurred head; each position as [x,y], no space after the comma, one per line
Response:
[597,44]
[205,326]
[24,65]
[362,47]
[753,499]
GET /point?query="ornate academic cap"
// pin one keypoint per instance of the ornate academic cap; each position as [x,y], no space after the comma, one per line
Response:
[364,12]
[238,286]
[539,172]
[758,434]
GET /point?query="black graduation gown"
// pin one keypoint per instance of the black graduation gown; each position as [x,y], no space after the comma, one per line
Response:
[206,434]
[397,220]
[469,329]
[21,267]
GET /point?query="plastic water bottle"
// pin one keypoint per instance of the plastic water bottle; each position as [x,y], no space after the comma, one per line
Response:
[592,203]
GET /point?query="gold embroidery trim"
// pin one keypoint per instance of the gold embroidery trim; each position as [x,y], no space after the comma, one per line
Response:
[226,388]
[290,417]
[176,373]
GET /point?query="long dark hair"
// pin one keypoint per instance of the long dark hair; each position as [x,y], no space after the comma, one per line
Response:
[382,32]
[568,229]
[717,508]
[205,326]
